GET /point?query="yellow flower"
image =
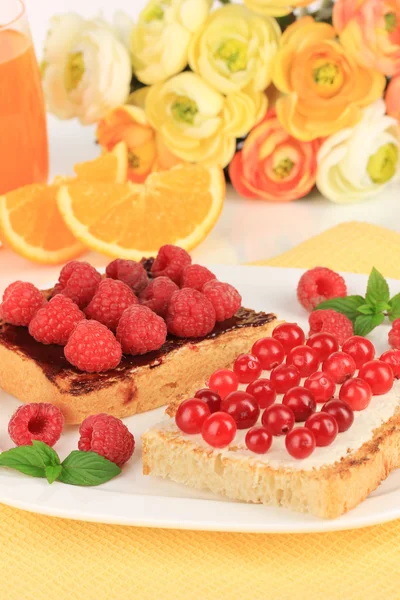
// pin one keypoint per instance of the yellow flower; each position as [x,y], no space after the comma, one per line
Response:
[160,40]
[275,8]
[196,122]
[325,89]
[235,49]
[86,69]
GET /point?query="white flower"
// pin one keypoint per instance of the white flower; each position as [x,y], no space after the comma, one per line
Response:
[160,40]
[86,69]
[358,162]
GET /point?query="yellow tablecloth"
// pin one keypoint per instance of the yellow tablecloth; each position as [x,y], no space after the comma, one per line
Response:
[42,558]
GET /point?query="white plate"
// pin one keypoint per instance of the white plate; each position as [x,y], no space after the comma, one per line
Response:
[132,499]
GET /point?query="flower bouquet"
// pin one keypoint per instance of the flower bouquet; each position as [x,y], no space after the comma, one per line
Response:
[284,96]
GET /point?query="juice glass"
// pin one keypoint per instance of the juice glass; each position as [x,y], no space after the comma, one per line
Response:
[23,131]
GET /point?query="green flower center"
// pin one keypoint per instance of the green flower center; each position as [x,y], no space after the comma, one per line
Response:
[133,160]
[74,70]
[326,74]
[234,54]
[382,165]
[184,110]
[153,13]
[283,168]
[390,22]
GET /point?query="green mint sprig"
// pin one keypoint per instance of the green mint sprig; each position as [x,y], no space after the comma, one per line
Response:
[79,468]
[369,312]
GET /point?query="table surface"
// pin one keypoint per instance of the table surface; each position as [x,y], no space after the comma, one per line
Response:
[247,230]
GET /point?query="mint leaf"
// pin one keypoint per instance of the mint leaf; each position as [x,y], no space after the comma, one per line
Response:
[394,310]
[364,324]
[365,309]
[381,307]
[52,472]
[377,289]
[347,306]
[30,460]
[87,469]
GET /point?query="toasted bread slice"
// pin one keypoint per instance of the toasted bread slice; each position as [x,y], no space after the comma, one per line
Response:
[330,482]
[33,372]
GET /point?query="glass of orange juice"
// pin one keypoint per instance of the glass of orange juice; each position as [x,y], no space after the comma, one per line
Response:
[23,131]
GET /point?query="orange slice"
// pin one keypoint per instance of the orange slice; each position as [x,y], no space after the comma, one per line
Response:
[110,167]
[30,223]
[179,207]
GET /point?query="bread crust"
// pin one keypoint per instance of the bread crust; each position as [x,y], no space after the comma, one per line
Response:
[327,492]
[177,375]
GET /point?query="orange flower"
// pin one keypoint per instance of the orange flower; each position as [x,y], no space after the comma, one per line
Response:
[392,98]
[274,165]
[146,150]
[325,88]
[370,31]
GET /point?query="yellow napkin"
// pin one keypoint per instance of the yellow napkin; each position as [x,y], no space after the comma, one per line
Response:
[43,558]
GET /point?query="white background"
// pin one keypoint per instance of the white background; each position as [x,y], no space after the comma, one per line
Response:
[248,230]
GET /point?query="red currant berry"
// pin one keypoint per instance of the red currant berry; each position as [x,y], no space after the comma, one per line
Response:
[284,377]
[360,349]
[269,352]
[301,401]
[300,442]
[289,335]
[247,367]
[324,428]
[324,344]
[242,407]
[278,419]
[191,415]
[219,430]
[223,381]
[340,366]
[258,440]
[356,392]
[304,358]
[321,385]
[379,375]
[211,398]
[263,391]
[392,358]
[341,412]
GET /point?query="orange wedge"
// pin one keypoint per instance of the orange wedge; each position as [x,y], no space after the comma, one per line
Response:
[110,167]
[179,207]
[31,224]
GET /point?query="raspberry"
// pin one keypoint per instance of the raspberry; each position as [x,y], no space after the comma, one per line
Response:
[195,276]
[190,314]
[394,335]
[36,421]
[130,272]
[171,262]
[54,323]
[21,301]
[112,297]
[319,284]
[140,330]
[107,436]
[92,348]
[332,322]
[78,281]
[225,299]
[157,294]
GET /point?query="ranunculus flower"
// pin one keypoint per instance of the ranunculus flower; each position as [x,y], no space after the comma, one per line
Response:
[325,89]
[358,162]
[234,50]
[197,123]
[392,98]
[275,8]
[273,165]
[160,40]
[370,31]
[86,70]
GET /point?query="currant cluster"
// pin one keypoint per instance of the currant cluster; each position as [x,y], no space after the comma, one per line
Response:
[302,374]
